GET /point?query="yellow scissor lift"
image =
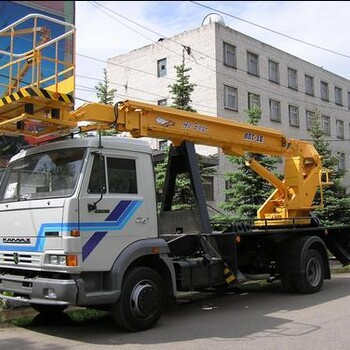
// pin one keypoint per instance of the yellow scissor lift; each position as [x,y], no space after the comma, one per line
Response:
[37,77]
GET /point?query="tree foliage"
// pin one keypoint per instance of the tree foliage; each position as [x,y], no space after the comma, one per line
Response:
[103,91]
[106,95]
[336,209]
[181,90]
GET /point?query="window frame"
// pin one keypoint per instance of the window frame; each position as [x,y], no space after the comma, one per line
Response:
[341,161]
[227,89]
[251,97]
[309,88]
[275,69]
[253,64]
[275,105]
[338,95]
[324,90]
[309,119]
[161,71]
[162,102]
[226,47]
[326,126]
[292,78]
[208,187]
[339,127]
[293,114]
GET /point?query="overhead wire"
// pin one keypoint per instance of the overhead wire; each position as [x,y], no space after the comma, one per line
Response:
[98,5]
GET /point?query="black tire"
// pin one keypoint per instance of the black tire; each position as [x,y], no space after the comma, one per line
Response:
[141,302]
[311,280]
[287,283]
[49,309]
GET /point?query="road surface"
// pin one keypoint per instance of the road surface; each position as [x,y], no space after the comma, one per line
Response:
[255,318]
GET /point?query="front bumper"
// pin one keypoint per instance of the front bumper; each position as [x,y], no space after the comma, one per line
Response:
[38,290]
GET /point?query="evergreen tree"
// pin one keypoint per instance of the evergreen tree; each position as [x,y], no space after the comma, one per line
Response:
[105,95]
[336,210]
[248,190]
[182,89]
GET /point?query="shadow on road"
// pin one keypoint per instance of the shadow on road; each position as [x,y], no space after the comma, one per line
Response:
[242,314]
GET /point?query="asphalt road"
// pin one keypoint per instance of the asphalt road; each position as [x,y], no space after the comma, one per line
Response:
[255,318]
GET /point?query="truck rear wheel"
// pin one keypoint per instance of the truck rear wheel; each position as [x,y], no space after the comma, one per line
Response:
[141,302]
[312,278]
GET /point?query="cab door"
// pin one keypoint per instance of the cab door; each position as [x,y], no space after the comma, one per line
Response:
[112,207]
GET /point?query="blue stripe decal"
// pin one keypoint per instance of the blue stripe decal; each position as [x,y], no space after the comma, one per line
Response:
[90,245]
[115,221]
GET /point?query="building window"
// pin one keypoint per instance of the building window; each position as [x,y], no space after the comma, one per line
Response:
[274,74]
[275,110]
[253,100]
[163,144]
[230,57]
[208,187]
[338,96]
[340,129]
[231,95]
[309,85]
[228,188]
[163,102]
[326,125]
[293,115]
[341,161]
[253,63]
[310,115]
[292,79]
[161,67]
[324,91]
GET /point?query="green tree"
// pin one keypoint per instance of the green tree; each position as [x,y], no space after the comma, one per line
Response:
[248,191]
[336,209]
[103,91]
[106,96]
[181,95]
[181,91]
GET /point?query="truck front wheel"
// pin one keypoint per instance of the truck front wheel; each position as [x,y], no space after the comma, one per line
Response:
[312,278]
[141,302]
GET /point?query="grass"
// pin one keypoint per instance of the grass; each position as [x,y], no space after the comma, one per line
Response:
[341,269]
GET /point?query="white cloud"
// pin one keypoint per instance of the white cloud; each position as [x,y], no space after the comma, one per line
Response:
[322,23]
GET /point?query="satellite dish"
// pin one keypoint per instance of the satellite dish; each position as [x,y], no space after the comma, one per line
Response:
[213,18]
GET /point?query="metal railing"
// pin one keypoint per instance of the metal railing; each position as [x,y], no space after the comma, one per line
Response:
[37,51]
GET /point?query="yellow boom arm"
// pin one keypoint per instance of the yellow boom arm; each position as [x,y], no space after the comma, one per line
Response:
[293,197]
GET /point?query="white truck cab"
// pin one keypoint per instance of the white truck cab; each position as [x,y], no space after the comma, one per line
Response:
[68,210]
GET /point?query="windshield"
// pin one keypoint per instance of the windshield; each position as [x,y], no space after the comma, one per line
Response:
[44,175]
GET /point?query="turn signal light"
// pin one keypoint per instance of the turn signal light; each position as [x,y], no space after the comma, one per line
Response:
[75,233]
[72,260]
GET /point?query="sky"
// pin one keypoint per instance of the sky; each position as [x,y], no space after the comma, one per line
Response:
[315,31]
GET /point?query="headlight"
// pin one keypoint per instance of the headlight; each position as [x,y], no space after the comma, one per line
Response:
[57,260]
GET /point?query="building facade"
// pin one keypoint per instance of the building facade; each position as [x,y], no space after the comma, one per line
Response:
[232,73]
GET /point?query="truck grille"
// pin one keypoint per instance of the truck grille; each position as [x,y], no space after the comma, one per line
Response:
[20,259]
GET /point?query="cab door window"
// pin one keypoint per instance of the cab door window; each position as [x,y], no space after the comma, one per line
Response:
[121,175]
[97,182]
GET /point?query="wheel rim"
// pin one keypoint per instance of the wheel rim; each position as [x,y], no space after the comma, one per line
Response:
[143,299]
[313,272]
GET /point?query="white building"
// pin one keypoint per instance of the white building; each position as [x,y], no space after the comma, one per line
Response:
[233,72]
